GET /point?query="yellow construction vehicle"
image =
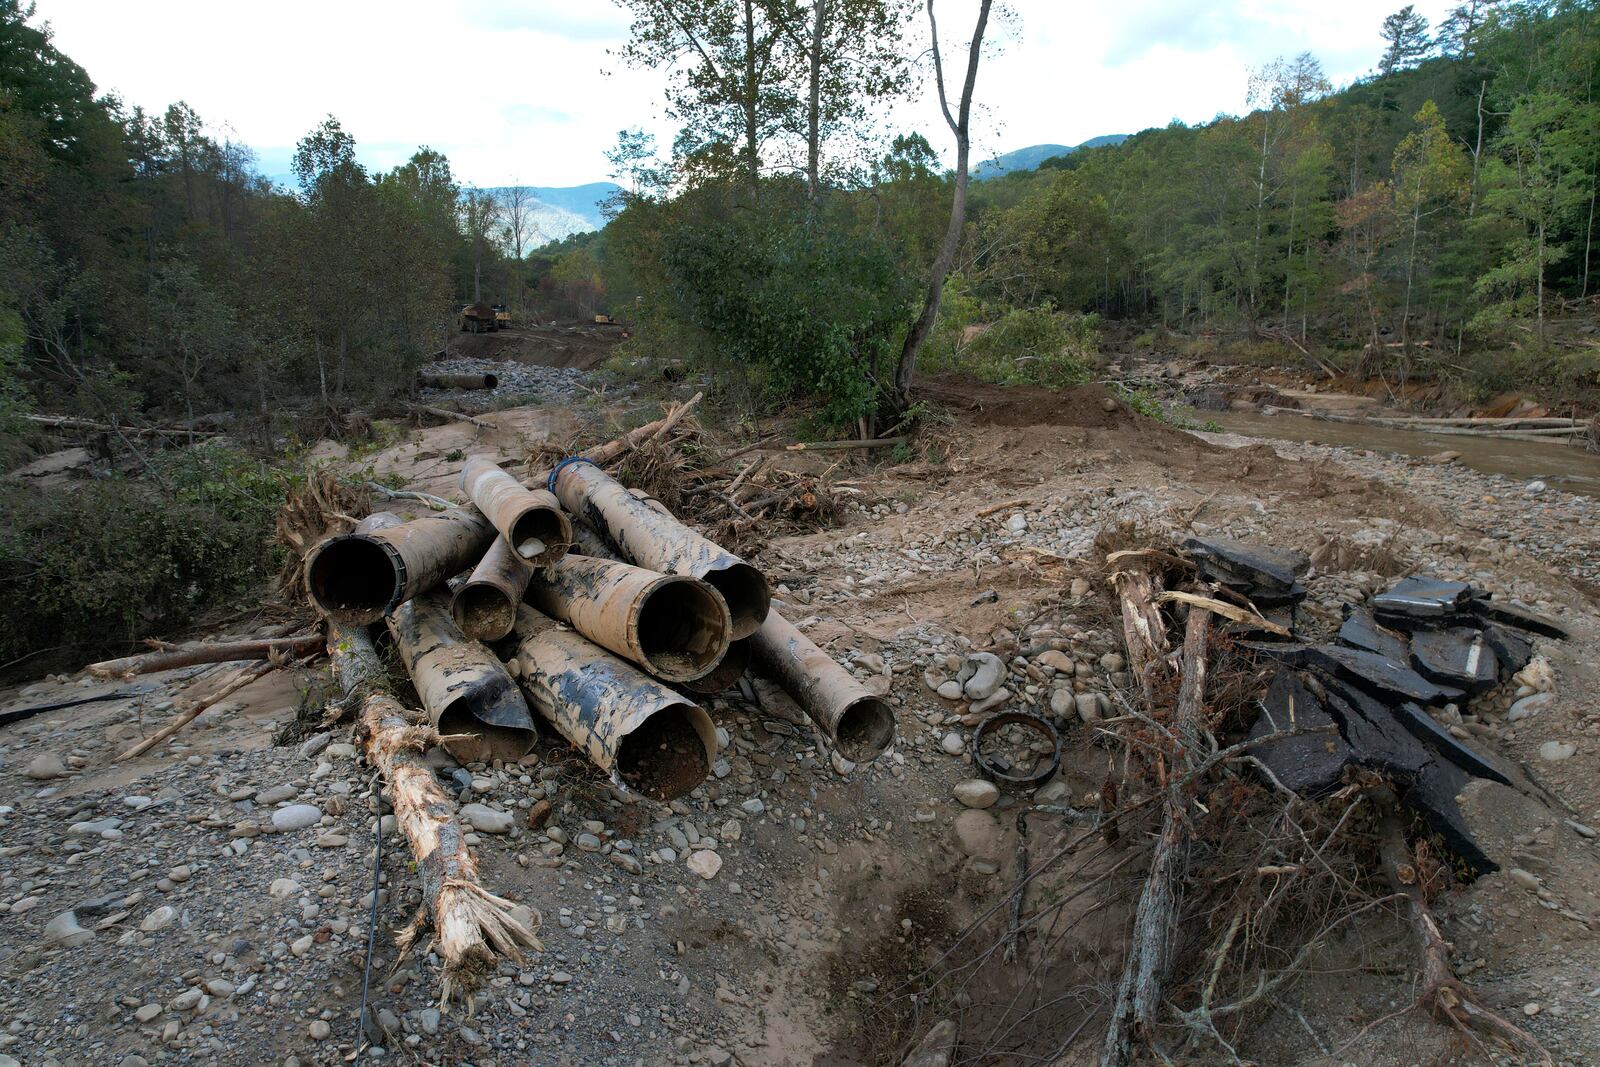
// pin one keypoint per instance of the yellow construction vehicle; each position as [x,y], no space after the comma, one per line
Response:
[502,317]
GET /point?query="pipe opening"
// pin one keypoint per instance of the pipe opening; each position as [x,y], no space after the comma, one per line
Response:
[490,381]
[665,757]
[865,729]
[733,663]
[354,579]
[483,611]
[540,532]
[682,629]
[745,590]
[482,741]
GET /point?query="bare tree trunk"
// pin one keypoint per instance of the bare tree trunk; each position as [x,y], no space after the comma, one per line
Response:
[906,369]
[814,107]
[751,160]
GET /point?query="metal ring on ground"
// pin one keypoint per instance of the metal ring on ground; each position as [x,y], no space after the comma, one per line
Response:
[1021,718]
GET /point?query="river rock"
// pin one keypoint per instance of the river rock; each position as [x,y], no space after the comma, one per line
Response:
[994,700]
[64,931]
[487,820]
[953,743]
[950,690]
[296,817]
[283,888]
[276,795]
[1087,706]
[982,675]
[1062,703]
[976,793]
[1529,705]
[45,766]
[159,919]
[1056,661]
[978,834]
[1556,751]
[705,863]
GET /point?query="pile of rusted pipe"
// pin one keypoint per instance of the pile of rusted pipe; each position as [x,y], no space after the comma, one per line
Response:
[608,627]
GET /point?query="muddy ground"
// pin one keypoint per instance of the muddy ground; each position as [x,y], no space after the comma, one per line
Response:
[224,921]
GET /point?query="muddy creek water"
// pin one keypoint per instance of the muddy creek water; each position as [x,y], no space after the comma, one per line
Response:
[1570,468]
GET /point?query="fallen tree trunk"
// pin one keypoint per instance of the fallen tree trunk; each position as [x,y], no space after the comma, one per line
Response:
[457,416]
[68,422]
[191,655]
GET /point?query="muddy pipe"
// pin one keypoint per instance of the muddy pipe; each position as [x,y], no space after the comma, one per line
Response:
[674,626]
[358,578]
[469,696]
[660,542]
[733,664]
[485,605]
[433,380]
[530,519]
[860,725]
[640,732]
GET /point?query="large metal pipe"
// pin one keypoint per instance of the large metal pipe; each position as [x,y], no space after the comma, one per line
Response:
[734,663]
[860,725]
[435,380]
[642,733]
[660,542]
[358,578]
[465,689]
[485,605]
[530,519]
[672,625]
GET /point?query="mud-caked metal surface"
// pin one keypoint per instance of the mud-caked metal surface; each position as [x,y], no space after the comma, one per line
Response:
[646,736]
[860,725]
[359,577]
[735,661]
[531,520]
[674,626]
[465,689]
[485,605]
[660,542]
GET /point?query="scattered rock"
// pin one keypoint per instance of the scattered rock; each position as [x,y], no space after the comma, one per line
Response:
[319,1030]
[978,834]
[976,793]
[283,888]
[1529,705]
[64,931]
[487,820]
[953,743]
[950,690]
[705,863]
[1556,751]
[45,766]
[982,675]
[1087,706]
[296,817]
[159,919]
[938,1046]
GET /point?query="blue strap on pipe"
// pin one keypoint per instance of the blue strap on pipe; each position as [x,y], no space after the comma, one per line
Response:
[550,484]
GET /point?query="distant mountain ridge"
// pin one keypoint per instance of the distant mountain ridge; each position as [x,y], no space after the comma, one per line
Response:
[565,210]
[1029,158]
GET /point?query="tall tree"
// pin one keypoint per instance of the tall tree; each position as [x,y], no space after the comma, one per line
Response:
[960,123]
[1407,34]
[1431,175]
[480,215]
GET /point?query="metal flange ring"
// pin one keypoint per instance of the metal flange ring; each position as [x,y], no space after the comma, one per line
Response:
[1033,722]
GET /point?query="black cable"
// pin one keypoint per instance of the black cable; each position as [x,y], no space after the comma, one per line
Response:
[372,922]
[18,714]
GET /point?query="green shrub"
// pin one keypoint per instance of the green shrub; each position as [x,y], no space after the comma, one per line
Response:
[89,568]
[1023,346]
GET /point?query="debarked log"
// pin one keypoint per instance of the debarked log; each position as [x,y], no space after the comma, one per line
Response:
[485,605]
[659,542]
[191,655]
[531,520]
[649,738]
[359,577]
[674,626]
[860,725]
[469,696]
[433,380]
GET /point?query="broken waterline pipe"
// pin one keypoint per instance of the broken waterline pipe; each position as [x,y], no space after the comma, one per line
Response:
[860,725]
[457,381]
[357,578]
[485,605]
[531,520]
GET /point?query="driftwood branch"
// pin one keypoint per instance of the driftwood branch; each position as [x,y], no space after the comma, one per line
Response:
[458,416]
[1142,629]
[184,718]
[190,655]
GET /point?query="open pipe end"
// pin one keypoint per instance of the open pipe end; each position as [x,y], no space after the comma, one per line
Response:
[476,741]
[541,535]
[865,730]
[734,663]
[490,381]
[745,589]
[669,753]
[683,628]
[483,611]
[355,579]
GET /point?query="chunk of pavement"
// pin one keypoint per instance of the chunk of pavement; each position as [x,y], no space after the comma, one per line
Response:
[1433,796]
[1458,657]
[1238,563]
[1421,597]
[63,931]
[1499,611]
[1511,650]
[981,675]
[296,817]
[1362,630]
[1424,728]
[937,1047]
[1309,763]
[1378,674]
[976,793]
[487,820]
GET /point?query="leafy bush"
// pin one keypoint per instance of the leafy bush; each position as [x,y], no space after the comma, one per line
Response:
[1024,346]
[91,568]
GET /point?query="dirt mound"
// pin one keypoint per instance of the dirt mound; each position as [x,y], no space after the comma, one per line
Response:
[982,404]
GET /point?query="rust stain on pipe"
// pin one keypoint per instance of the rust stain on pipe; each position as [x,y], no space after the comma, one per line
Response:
[485,605]
[660,542]
[457,381]
[530,519]
[860,724]
[358,578]
[639,731]
[674,626]
[464,688]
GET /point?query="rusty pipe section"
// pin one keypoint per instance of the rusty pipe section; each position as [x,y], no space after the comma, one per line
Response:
[359,577]
[860,725]
[674,626]
[434,380]
[465,689]
[485,605]
[734,663]
[637,730]
[530,519]
[660,542]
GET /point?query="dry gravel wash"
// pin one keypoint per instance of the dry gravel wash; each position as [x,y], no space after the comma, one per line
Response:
[205,933]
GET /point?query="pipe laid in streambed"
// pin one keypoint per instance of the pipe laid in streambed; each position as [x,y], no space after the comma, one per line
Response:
[660,542]
[672,625]
[485,605]
[436,380]
[860,725]
[531,520]
[358,578]
[642,733]
[465,689]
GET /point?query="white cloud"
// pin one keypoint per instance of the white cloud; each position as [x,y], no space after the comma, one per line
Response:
[529,90]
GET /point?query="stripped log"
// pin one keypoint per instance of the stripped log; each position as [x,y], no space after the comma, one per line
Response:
[456,416]
[192,655]
[1142,629]
[472,927]
[1156,917]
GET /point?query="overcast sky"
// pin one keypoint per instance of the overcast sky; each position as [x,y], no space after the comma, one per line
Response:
[527,91]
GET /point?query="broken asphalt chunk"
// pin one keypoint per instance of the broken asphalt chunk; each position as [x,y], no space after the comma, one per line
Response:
[1511,615]
[1458,657]
[1311,764]
[1424,728]
[1378,674]
[1362,630]
[1267,570]
[1421,597]
[1511,649]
